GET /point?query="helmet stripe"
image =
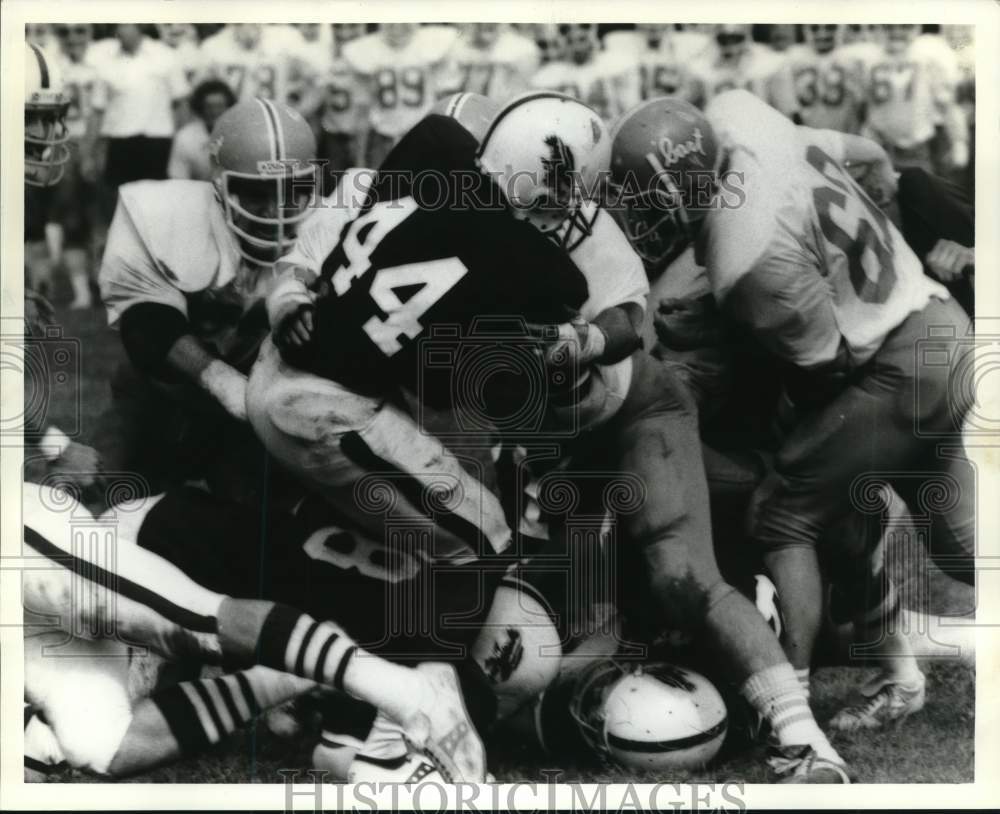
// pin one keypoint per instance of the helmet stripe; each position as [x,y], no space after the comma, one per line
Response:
[279,132]
[271,127]
[43,67]
[456,104]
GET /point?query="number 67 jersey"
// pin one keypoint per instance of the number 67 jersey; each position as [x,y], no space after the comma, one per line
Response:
[434,249]
[797,250]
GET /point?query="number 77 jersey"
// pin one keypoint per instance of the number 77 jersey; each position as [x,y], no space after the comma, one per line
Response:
[797,250]
[433,248]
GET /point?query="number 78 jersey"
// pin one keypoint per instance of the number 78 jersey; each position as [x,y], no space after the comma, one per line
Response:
[422,259]
[798,250]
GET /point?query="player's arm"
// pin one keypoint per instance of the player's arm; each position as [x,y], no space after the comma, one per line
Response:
[785,303]
[865,160]
[153,320]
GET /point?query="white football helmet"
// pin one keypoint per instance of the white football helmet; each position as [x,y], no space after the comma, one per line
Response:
[548,153]
[649,716]
[46,139]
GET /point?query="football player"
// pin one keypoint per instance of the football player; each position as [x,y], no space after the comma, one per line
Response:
[343,109]
[76,215]
[841,314]
[735,61]
[640,420]
[183,38]
[255,60]
[605,80]
[186,309]
[820,84]
[46,154]
[493,60]
[662,69]
[400,68]
[133,595]
[911,93]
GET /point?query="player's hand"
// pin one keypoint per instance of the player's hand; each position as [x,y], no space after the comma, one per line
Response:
[290,307]
[948,260]
[575,342]
[683,323]
[78,467]
[295,330]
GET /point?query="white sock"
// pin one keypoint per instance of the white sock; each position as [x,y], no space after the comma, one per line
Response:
[776,694]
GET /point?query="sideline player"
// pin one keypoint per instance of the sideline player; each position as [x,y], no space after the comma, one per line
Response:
[847,351]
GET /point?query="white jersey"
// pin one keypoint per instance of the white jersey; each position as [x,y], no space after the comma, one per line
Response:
[908,94]
[608,83]
[500,72]
[345,102]
[402,83]
[267,69]
[823,265]
[826,90]
[79,79]
[752,72]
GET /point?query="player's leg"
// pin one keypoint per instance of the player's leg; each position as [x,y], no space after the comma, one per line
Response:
[192,716]
[143,598]
[369,458]
[656,435]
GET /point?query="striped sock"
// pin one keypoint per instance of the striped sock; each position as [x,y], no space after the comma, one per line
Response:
[296,643]
[203,712]
[803,677]
[776,694]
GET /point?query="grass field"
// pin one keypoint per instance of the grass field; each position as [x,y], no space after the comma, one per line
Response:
[934,746]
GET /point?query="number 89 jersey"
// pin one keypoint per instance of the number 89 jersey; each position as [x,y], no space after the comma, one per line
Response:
[401,83]
[434,247]
[797,250]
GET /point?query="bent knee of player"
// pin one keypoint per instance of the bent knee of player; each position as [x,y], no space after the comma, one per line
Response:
[90,719]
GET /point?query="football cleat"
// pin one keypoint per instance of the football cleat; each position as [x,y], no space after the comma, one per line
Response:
[803,764]
[889,701]
[442,728]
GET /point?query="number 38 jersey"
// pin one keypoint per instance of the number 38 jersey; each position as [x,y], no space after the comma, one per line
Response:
[432,255]
[799,252]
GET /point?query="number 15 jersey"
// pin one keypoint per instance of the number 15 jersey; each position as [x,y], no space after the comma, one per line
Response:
[800,253]
[433,248]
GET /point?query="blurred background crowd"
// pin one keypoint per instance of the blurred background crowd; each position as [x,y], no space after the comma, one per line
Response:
[145,97]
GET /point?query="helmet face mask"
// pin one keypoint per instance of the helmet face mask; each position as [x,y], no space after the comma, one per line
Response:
[732,41]
[665,172]
[658,229]
[46,136]
[265,213]
[266,179]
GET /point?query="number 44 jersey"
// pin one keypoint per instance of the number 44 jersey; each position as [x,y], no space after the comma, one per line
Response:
[433,253]
[797,250]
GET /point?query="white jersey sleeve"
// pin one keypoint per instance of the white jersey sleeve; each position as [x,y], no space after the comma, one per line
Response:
[320,232]
[167,239]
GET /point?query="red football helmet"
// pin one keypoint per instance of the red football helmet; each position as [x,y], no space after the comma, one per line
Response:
[263,167]
[665,161]
[473,111]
